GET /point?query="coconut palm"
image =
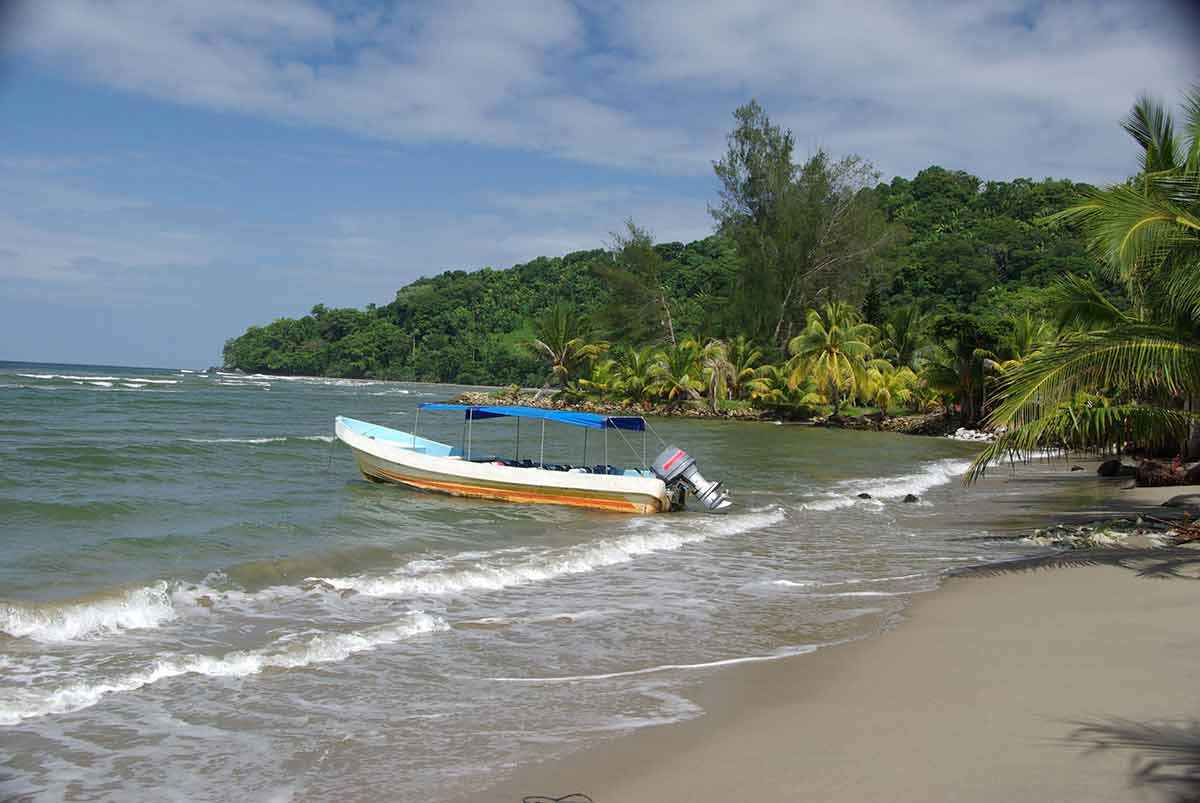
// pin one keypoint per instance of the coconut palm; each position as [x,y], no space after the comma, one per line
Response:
[902,338]
[772,386]
[1146,234]
[559,339]
[636,374]
[832,351]
[887,385]
[603,381]
[1029,334]
[678,376]
[956,369]
[716,368]
[744,359]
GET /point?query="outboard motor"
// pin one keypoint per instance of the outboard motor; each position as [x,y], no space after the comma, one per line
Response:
[678,470]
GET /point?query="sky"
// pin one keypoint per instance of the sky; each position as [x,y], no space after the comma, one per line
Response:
[173,171]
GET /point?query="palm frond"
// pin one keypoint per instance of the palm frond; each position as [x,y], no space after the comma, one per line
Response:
[1137,358]
[1151,125]
[1082,427]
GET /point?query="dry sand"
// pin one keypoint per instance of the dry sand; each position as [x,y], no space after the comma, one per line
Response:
[975,696]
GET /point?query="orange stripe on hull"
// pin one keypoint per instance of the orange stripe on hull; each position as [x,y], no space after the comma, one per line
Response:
[513,496]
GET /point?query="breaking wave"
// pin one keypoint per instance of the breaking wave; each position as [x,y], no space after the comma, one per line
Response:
[28,703]
[498,572]
[931,475]
[279,439]
[140,608]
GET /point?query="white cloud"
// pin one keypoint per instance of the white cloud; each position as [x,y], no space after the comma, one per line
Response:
[995,86]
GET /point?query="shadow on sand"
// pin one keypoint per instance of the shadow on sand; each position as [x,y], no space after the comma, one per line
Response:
[1161,563]
[1166,755]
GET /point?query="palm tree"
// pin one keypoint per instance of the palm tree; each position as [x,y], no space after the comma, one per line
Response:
[716,368]
[558,338]
[903,339]
[603,381]
[1146,234]
[833,351]
[771,386]
[956,370]
[1029,334]
[887,385]
[744,358]
[636,374]
[677,373]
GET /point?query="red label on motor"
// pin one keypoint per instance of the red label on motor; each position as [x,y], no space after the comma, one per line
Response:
[674,459]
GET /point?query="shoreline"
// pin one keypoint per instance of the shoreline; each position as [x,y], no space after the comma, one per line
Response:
[982,690]
[936,424]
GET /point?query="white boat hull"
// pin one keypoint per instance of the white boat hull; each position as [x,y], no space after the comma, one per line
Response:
[391,460]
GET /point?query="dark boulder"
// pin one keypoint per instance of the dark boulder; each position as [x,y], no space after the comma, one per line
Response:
[1155,474]
[1077,468]
[1109,468]
[910,498]
[864,496]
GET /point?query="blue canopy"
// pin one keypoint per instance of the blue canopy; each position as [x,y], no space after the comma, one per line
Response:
[590,420]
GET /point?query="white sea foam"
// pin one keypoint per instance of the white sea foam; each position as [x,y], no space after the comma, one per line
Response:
[145,607]
[930,475]
[650,670]
[73,377]
[154,381]
[17,704]
[280,439]
[861,594]
[133,385]
[101,383]
[499,572]
[856,580]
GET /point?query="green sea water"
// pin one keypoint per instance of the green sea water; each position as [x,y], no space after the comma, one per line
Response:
[201,599]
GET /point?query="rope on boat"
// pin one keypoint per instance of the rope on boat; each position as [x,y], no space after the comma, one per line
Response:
[661,442]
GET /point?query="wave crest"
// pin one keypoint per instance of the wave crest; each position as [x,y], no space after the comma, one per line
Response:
[496,573]
[25,703]
[145,607]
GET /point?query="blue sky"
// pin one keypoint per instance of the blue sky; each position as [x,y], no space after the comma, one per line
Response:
[173,171]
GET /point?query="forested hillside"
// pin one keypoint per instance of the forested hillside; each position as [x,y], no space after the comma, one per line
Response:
[944,240]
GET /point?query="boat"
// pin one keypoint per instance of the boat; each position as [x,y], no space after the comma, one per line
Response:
[391,455]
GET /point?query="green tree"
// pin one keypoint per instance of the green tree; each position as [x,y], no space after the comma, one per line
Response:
[833,351]
[744,360]
[797,227]
[560,340]
[956,366]
[678,376]
[638,310]
[1146,234]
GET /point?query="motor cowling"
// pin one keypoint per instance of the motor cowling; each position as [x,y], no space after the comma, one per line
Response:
[676,467]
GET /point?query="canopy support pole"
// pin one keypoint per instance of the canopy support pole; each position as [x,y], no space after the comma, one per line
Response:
[517,457]
[542,447]
[416,426]
[585,448]
[643,447]
[470,421]
[606,450]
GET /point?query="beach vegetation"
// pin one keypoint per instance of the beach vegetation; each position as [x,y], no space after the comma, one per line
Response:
[822,290]
[1123,371]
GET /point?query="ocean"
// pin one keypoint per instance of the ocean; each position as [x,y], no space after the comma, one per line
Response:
[201,599]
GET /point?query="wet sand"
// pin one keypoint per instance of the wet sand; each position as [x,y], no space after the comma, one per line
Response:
[978,694]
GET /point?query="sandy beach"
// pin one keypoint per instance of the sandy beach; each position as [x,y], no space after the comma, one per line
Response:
[984,690]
